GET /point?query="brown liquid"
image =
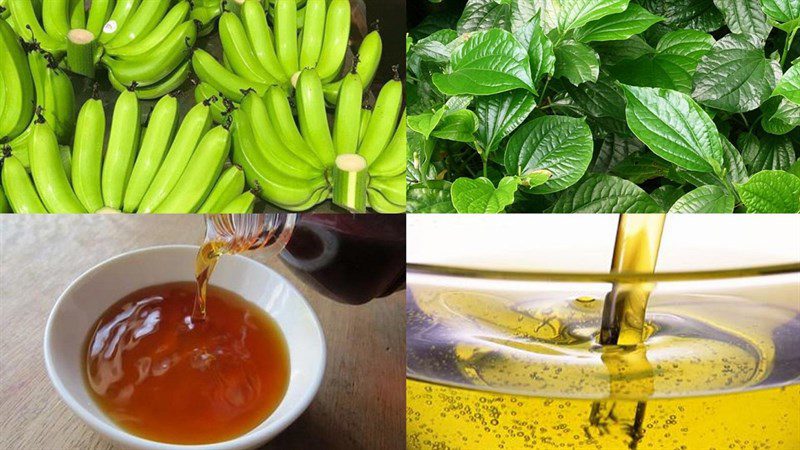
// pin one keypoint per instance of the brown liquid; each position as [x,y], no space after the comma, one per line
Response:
[161,375]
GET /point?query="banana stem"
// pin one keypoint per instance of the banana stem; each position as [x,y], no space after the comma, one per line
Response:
[81,47]
[350,182]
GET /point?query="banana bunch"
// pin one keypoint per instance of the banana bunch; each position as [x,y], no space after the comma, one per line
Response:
[144,44]
[297,165]
[17,95]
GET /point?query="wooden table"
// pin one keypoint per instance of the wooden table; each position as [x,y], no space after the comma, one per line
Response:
[361,404]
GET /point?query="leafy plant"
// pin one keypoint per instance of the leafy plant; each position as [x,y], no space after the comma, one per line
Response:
[684,106]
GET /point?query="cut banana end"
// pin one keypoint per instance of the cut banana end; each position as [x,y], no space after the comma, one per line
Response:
[350,182]
[81,46]
[108,210]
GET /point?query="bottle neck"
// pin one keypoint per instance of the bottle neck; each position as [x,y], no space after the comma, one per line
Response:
[238,233]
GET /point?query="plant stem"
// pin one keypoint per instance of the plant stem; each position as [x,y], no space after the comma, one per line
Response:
[544,91]
[788,46]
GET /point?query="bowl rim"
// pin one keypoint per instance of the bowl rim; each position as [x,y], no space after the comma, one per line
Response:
[118,434]
[455,271]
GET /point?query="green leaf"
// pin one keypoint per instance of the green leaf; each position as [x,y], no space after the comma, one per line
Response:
[640,167]
[484,15]
[613,150]
[561,145]
[786,12]
[540,49]
[795,168]
[605,194]
[771,192]
[500,114]
[666,196]
[675,128]
[489,62]
[780,116]
[615,52]
[572,14]
[693,14]
[705,200]
[789,86]
[479,196]
[768,153]
[733,163]
[617,27]
[576,62]
[431,197]
[424,124]
[601,99]
[735,76]
[745,17]
[457,126]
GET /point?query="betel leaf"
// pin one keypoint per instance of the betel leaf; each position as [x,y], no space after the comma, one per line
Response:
[640,167]
[431,197]
[459,125]
[789,86]
[601,99]
[745,17]
[433,48]
[735,76]
[768,153]
[705,200]
[479,196]
[614,52]
[674,127]
[425,123]
[692,14]
[577,13]
[795,168]
[489,62]
[540,49]
[617,27]
[605,194]
[666,196]
[576,62]
[780,116]
[785,12]
[613,150]
[771,191]
[500,114]
[560,145]
[484,15]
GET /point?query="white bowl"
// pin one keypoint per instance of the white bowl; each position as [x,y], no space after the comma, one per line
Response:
[92,293]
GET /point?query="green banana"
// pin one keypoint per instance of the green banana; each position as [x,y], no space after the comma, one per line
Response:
[270,183]
[366,65]
[345,134]
[200,175]
[280,115]
[48,172]
[366,115]
[334,44]
[392,161]
[123,140]
[229,186]
[27,26]
[259,34]
[206,12]
[195,124]
[4,206]
[55,18]
[243,204]
[19,146]
[150,68]
[77,14]
[88,154]
[123,9]
[383,121]
[99,11]
[63,103]
[157,138]
[238,51]
[167,85]
[269,142]
[380,204]
[146,17]
[17,85]
[220,106]
[19,188]
[176,16]
[393,189]
[313,33]
[221,79]
[312,116]
[286,34]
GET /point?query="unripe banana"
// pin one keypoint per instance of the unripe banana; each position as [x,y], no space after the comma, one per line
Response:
[383,121]
[62,104]
[48,172]
[392,161]
[195,124]
[280,115]
[26,24]
[55,18]
[229,186]
[238,51]
[368,60]
[17,83]
[19,188]
[366,115]
[5,207]
[345,133]
[220,106]
[88,154]
[99,11]
[312,116]
[167,85]
[313,33]
[381,205]
[286,34]
[123,140]
[259,34]
[393,189]
[201,173]
[223,80]
[140,23]
[77,14]
[243,204]
[334,44]
[123,9]
[176,16]
[161,128]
